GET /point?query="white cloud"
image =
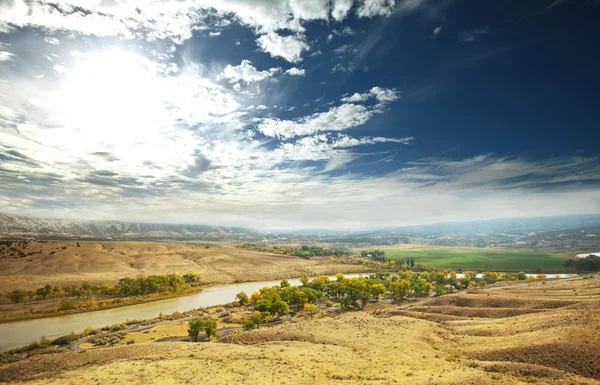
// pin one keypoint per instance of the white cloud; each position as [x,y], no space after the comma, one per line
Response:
[6,56]
[341,8]
[372,8]
[289,48]
[310,10]
[213,34]
[246,72]
[339,67]
[295,71]
[338,118]
[346,31]
[436,31]
[343,49]
[60,69]
[51,40]
[329,38]
[473,34]
[383,95]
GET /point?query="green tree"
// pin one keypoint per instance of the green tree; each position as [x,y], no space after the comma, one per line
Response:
[304,280]
[191,277]
[210,327]
[263,305]
[248,324]
[197,325]
[279,308]
[242,298]
[284,283]
[440,290]
[17,296]
[521,276]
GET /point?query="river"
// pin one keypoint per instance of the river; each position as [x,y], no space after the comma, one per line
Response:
[19,333]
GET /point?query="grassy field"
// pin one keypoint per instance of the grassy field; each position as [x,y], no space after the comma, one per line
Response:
[470,258]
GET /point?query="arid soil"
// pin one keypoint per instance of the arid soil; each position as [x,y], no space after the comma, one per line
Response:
[61,263]
[546,333]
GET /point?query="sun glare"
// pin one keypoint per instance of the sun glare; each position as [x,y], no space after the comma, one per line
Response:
[109,93]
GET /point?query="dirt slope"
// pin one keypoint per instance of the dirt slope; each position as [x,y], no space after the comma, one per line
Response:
[60,263]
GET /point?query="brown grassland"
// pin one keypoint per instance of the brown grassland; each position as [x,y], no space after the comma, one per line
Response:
[538,332]
[61,263]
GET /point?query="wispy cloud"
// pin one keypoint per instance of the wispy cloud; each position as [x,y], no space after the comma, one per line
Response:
[472,35]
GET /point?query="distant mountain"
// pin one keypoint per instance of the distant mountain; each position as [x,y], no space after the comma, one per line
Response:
[41,227]
[500,228]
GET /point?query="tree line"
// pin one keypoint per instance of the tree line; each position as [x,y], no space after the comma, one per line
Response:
[589,263]
[354,293]
[153,284]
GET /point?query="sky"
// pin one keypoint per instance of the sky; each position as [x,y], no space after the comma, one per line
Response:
[297,114]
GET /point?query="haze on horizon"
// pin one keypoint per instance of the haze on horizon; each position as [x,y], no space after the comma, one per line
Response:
[299,114]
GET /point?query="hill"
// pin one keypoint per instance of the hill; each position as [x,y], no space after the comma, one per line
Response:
[19,226]
[540,332]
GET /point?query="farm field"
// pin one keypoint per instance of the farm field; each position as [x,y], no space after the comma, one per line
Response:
[470,258]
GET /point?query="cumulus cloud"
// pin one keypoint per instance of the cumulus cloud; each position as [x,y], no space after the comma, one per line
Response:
[310,10]
[341,8]
[436,31]
[295,71]
[289,48]
[383,95]
[337,118]
[6,56]
[246,72]
[372,8]
[51,40]
[213,34]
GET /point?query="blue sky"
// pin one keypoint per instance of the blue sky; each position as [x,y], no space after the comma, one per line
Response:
[299,114]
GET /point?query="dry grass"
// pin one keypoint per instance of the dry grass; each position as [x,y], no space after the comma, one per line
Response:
[388,346]
[558,343]
[60,263]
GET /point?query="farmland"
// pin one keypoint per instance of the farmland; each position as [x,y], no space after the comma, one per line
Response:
[470,258]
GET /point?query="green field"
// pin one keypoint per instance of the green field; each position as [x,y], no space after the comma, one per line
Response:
[471,258]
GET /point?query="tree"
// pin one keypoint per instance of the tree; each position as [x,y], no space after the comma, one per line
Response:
[17,296]
[377,290]
[400,289]
[196,325]
[207,325]
[242,298]
[191,277]
[521,276]
[304,280]
[279,308]
[310,308]
[339,277]
[210,327]
[440,290]
[284,283]
[248,324]
[263,305]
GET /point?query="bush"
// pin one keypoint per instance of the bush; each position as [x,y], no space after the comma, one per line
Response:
[66,340]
